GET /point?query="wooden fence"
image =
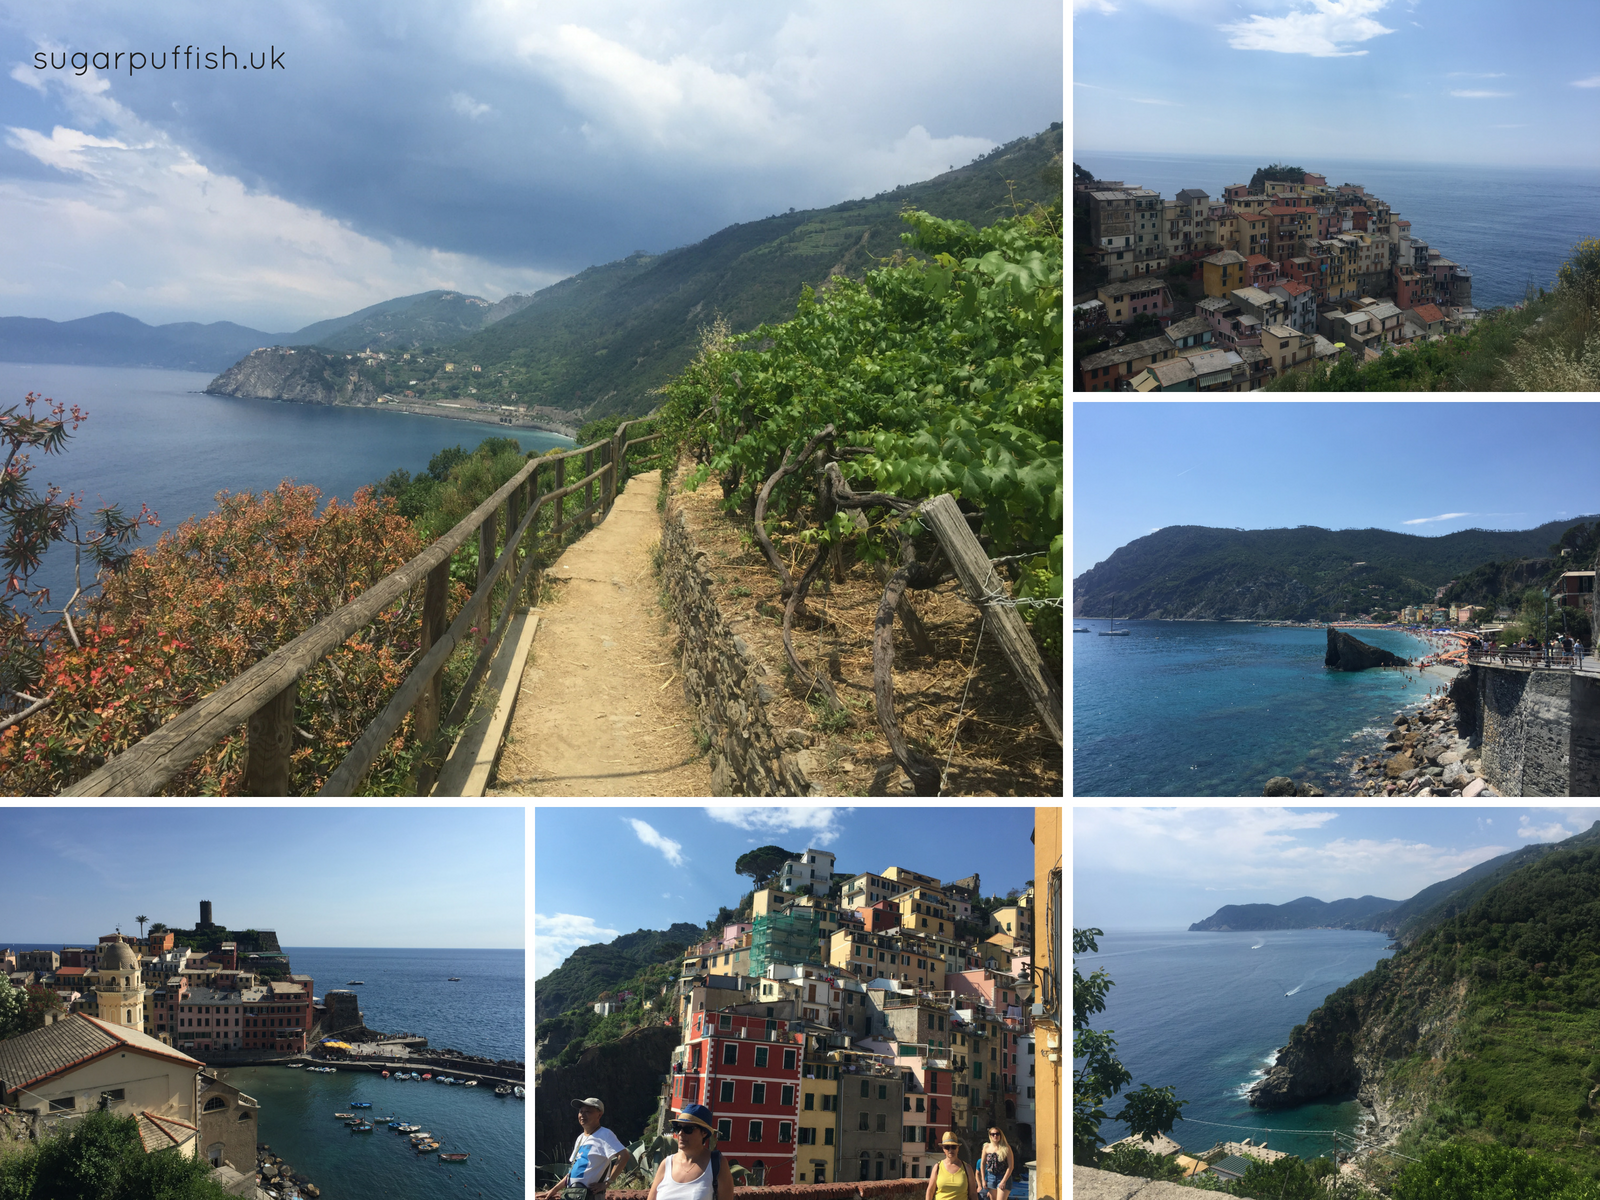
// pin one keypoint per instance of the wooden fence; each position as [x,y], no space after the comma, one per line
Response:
[262,698]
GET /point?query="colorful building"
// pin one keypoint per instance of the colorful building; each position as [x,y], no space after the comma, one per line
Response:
[747,1070]
[1223,272]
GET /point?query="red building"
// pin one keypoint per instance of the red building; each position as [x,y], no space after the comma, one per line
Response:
[747,1071]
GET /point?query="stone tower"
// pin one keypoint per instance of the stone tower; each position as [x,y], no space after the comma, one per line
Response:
[205,915]
[118,988]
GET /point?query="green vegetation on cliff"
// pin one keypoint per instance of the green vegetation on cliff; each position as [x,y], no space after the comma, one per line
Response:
[101,1157]
[590,970]
[1276,173]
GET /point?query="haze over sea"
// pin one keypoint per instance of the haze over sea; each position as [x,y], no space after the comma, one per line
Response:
[153,437]
[1216,708]
[1206,1014]
[1508,225]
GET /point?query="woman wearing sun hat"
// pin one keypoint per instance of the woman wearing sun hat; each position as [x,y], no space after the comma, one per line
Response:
[696,1171]
[952,1179]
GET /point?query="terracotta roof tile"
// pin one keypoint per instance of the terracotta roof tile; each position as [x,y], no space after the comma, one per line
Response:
[1429,313]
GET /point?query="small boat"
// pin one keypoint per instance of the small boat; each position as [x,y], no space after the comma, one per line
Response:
[470,1083]
[520,1093]
[456,1157]
[355,983]
[294,1066]
[427,1147]
[1085,629]
[454,979]
[364,1127]
[361,1104]
[343,1116]
[426,1075]
[502,1090]
[386,1074]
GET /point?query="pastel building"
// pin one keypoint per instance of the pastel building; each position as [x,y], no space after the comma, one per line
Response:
[747,1069]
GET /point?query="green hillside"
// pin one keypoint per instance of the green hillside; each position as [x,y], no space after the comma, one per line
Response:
[603,340]
[426,319]
[1305,913]
[590,970]
[1192,572]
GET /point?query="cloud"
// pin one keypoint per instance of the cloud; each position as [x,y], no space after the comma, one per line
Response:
[820,824]
[1440,517]
[1553,832]
[556,936]
[670,850]
[1320,31]
[1482,95]
[467,106]
[1168,103]
[1592,81]
[1099,6]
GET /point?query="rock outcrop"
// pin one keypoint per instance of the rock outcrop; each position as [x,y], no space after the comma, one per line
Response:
[1346,653]
[301,374]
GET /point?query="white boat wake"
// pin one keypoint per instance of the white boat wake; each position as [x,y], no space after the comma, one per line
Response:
[1295,990]
[1258,945]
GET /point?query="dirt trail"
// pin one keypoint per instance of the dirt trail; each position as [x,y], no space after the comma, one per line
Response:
[600,712]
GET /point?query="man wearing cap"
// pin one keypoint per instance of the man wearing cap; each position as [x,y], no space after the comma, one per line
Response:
[696,1171]
[597,1156]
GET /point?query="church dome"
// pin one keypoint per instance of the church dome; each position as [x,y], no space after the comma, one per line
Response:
[118,957]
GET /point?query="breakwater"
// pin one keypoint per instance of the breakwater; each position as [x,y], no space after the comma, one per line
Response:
[1425,754]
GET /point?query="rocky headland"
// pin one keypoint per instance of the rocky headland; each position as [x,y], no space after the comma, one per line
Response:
[1425,754]
[1346,653]
[301,374]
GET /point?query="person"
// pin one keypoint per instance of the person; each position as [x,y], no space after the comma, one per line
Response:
[696,1171]
[597,1156]
[952,1179]
[998,1165]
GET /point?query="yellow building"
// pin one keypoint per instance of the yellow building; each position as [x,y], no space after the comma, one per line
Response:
[817,1151]
[925,910]
[1223,272]
[1049,976]
[1015,919]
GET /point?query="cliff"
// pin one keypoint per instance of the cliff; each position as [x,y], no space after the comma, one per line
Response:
[626,1074]
[302,374]
[1346,653]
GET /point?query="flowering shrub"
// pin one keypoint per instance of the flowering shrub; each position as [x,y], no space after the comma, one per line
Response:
[207,601]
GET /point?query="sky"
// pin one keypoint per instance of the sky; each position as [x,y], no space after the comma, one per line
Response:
[1164,869]
[1461,81]
[360,877]
[1138,467]
[600,872]
[489,146]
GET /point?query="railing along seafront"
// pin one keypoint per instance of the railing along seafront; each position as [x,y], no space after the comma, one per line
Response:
[1543,659]
[262,698]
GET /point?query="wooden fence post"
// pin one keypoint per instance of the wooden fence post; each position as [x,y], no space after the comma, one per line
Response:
[588,488]
[425,713]
[532,593]
[980,581]
[561,501]
[270,740]
[486,553]
[608,482]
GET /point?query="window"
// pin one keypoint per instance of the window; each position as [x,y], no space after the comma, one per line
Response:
[786,1095]
[865,1125]
[725,1021]
[725,1130]
[727,1092]
[830,1103]
[883,1091]
[788,1062]
[65,1104]
[864,1089]
[919,1103]
[758,1093]
[215,1103]
[882,1128]
[755,1131]
[785,1131]
[730,1053]
[808,1136]
[810,1096]
[827,1136]
[761,1056]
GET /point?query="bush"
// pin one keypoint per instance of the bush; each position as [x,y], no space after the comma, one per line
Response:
[1470,1171]
[101,1158]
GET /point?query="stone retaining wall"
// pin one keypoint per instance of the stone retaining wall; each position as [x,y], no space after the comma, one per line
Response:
[1539,730]
[873,1189]
[1090,1184]
[725,681]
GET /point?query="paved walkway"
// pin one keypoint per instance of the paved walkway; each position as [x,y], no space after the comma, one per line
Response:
[601,712]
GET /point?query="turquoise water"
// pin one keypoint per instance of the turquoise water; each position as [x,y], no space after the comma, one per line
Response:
[1215,708]
[297,1122]
[153,437]
[1206,1013]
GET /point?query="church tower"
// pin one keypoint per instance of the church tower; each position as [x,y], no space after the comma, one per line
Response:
[119,987]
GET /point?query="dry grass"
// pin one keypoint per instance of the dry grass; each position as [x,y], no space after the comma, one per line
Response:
[1000,747]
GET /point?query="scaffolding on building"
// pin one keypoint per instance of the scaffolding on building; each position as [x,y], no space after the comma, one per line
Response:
[792,938]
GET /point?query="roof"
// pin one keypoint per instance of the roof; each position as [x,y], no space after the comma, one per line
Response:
[1125,287]
[1193,193]
[1225,258]
[1252,354]
[1187,327]
[1213,303]
[206,995]
[70,1042]
[1292,286]
[1258,260]
[1213,361]
[1287,210]
[1284,331]
[1126,353]
[1252,295]
[1233,1166]
[1170,374]
[1384,310]
[1428,313]
[162,1133]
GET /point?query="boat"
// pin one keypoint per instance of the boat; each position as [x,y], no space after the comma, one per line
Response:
[502,1090]
[427,1147]
[1084,629]
[386,1074]
[520,1093]
[1113,631]
[454,979]
[426,1075]
[470,1083]
[355,983]
[343,1116]
[294,1066]
[361,1104]
[455,1157]
[364,1127]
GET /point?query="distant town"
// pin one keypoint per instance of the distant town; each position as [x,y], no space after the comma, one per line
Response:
[1197,294]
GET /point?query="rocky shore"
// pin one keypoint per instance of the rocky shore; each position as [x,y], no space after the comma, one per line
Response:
[278,1179]
[1424,755]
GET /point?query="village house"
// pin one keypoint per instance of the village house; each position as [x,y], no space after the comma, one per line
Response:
[1299,302]
[1133,297]
[1101,372]
[1424,321]
[1223,272]
[1287,348]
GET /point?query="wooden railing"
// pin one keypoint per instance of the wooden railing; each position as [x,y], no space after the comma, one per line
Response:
[262,698]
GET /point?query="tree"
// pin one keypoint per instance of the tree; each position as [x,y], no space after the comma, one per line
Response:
[1147,1111]
[1474,1171]
[158,927]
[141,918]
[39,1001]
[764,862]
[102,1158]
[13,1008]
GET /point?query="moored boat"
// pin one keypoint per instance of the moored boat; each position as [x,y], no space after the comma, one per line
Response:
[502,1090]
[470,1083]
[355,983]
[521,1093]
[454,979]
[361,1104]
[385,1074]
[294,1066]
[343,1116]
[427,1075]
[427,1147]
[453,1157]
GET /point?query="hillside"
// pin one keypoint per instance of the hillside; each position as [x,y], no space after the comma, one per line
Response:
[590,970]
[1482,1029]
[603,340]
[305,375]
[428,318]
[115,339]
[1305,913]
[1193,572]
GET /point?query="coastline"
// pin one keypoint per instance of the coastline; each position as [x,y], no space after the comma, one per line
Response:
[451,412]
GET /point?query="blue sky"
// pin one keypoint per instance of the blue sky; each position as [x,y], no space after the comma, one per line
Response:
[600,872]
[482,146]
[1410,467]
[1161,869]
[369,877]
[1462,81]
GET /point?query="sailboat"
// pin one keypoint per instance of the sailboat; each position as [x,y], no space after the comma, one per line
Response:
[1113,631]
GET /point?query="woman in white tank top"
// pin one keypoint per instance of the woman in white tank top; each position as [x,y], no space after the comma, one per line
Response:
[688,1174]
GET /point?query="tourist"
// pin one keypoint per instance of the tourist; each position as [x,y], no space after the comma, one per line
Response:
[696,1169]
[952,1179]
[997,1165]
[597,1156]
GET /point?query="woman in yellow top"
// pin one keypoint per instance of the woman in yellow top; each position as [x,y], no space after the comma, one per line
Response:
[952,1179]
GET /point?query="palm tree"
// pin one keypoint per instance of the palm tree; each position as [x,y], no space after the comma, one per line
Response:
[141,919]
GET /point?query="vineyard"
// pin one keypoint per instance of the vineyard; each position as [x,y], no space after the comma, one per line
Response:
[938,373]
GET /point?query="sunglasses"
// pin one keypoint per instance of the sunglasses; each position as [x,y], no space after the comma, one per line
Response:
[687,1129]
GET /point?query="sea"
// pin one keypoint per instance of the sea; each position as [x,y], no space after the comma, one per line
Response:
[1511,226]
[154,437]
[402,991]
[1206,1014]
[1216,708]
